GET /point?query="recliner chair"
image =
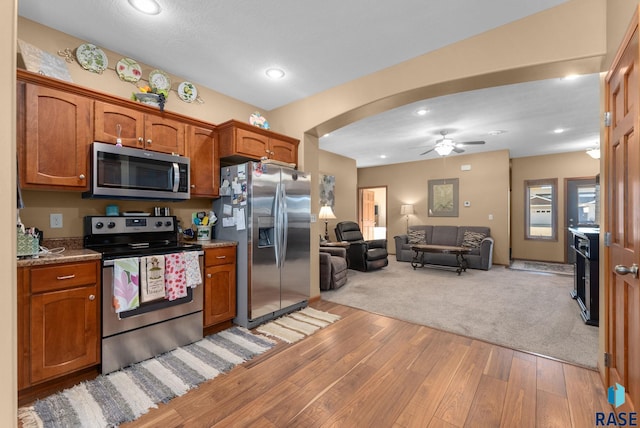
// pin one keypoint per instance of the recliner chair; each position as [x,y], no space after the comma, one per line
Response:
[362,255]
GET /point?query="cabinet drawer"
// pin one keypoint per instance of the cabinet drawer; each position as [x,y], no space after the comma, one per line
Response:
[59,277]
[220,256]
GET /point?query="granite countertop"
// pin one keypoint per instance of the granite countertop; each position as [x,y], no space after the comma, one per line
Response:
[73,251]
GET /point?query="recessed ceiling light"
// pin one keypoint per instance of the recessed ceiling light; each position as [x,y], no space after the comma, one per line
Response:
[570,77]
[558,131]
[422,112]
[149,7]
[326,135]
[274,73]
[496,132]
[383,156]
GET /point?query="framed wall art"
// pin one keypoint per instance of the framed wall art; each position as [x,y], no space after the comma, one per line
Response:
[327,186]
[443,197]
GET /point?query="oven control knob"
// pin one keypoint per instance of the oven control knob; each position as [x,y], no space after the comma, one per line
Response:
[168,223]
[158,223]
[99,225]
[111,225]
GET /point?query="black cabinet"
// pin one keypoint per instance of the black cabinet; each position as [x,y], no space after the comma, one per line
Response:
[586,280]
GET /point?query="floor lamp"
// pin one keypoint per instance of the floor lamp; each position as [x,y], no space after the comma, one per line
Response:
[406,210]
[325,214]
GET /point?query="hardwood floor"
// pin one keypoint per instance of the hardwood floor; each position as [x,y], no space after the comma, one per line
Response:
[369,370]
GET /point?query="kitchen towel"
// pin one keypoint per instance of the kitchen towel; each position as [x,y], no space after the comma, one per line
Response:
[194,277]
[175,277]
[152,278]
[125,284]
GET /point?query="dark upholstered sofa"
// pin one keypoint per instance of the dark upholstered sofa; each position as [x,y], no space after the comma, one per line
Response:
[480,257]
[333,267]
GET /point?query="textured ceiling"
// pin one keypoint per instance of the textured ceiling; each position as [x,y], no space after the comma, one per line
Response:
[226,46]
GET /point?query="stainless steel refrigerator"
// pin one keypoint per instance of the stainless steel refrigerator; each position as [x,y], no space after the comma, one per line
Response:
[266,208]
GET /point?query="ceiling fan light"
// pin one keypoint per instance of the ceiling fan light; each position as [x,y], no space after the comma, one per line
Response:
[594,153]
[444,149]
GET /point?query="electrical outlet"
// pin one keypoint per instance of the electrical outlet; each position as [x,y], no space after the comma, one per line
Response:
[55,221]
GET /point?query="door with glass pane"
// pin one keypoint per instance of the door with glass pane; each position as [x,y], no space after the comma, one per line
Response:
[581,211]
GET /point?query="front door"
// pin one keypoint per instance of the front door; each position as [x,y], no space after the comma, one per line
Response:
[581,209]
[622,218]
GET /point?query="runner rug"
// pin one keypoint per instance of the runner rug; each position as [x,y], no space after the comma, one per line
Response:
[123,396]
[297,325]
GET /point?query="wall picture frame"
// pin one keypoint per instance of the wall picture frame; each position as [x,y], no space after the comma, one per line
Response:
[443,197]
[327,188]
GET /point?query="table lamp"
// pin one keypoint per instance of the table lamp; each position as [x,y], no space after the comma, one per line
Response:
[325,214]
[406,210]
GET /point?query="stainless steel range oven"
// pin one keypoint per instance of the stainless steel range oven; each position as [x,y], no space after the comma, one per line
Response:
[155,324]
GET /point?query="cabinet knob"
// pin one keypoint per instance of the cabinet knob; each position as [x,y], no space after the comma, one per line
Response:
[92,297]
[208,275]
[81,176]
[149,141]
[140,140]
[193,186]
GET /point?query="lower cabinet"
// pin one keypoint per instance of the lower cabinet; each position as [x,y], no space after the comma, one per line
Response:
[219,285]
[58,320]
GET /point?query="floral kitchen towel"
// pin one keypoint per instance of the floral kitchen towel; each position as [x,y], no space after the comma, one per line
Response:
[194,277]
[125,284]
[152,278]
[175,277]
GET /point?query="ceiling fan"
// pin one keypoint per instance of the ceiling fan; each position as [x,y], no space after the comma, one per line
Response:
[445,146]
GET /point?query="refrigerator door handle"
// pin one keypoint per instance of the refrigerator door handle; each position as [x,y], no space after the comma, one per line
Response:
[285,225]
[277,226]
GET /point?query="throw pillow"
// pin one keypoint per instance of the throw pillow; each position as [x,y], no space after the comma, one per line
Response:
[417,237]
[472,239]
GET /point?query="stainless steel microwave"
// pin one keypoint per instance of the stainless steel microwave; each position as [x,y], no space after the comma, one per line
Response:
[127,173]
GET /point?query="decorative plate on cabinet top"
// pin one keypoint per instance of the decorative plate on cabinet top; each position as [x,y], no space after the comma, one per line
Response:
[187,92]
[158,79]
[128,70]
[256,119]
[92,58]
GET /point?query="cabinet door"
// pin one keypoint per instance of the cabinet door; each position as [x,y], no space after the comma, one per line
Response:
[283,151]
[64,332]
[251,144]
[57,135]
[163,135]
[205,168]
[23,328]
[110,118]
[219,294]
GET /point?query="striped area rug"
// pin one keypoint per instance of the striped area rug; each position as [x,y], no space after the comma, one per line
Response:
[125,395]
[297,325]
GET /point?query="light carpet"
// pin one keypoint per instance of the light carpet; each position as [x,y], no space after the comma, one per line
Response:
[297,325]
[518,309]
[125,395]
[559,268]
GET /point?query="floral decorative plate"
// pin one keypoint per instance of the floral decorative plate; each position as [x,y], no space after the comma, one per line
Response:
[128,70]
[256,119]
[158,79]
[187,92]
[92,58]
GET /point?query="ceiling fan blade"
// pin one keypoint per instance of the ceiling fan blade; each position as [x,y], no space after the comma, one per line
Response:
[468,143]
[458,150]
[428,151]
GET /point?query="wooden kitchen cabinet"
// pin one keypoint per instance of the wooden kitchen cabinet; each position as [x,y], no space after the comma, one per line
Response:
[240,142]
[59,327]
[138,129]
[220,285]
[205,166]
[54,131]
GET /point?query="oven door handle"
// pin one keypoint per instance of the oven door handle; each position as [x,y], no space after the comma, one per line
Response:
[107,263]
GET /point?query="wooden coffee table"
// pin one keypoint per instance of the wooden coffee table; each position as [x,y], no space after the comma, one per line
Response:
[420,249]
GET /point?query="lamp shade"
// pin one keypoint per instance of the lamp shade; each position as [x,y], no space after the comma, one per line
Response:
[326,213]
[444,149]
[406,209]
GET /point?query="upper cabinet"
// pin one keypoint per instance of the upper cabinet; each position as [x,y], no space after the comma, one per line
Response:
[54,131]
[205,167]
[240,142]
[137,129]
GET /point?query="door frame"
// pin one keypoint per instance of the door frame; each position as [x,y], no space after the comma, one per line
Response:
[386,203]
